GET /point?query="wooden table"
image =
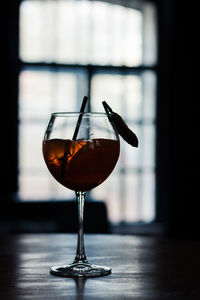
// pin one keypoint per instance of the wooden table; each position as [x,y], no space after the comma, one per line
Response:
[142,267]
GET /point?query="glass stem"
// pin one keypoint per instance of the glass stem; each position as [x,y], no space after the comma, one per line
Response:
[80,251]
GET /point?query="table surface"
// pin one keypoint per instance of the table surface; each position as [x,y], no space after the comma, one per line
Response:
[142,267]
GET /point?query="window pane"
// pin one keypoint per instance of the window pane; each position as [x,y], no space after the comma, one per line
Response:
[31,135]
[110,33]
[133,95]
[41,93]
[132,200]
[41,186]
[131,193]
[149,91]
[123,93]
[147,142]
[110,195]
[147,203]
[130,157]
[99,33]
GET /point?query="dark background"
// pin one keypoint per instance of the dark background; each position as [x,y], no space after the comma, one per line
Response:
[177,115]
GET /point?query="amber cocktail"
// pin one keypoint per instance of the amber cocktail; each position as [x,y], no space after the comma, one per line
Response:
[80,163]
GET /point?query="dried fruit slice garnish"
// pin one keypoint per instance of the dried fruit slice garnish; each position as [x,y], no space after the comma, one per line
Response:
[124,131]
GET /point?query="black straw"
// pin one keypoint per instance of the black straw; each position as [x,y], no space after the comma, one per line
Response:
[84,102]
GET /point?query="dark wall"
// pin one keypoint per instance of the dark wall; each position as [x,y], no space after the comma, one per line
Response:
[9,98]
[177,119]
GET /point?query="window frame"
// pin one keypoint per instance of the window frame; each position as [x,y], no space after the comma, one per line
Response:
[20,65]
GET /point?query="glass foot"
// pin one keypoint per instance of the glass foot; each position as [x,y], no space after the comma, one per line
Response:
[80,270]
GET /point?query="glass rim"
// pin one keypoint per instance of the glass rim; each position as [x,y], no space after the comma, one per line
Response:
[63,114]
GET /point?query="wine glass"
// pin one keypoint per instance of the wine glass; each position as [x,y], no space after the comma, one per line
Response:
[80,151]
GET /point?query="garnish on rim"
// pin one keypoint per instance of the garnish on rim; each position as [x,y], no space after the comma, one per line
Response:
[126,133]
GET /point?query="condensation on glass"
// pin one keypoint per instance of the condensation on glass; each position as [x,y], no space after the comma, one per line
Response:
[100,33]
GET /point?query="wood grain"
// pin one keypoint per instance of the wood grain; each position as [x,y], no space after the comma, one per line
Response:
[142,267]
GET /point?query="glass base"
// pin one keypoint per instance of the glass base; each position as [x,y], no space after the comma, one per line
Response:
[80,270]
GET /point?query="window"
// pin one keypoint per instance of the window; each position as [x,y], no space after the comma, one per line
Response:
[104,49]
